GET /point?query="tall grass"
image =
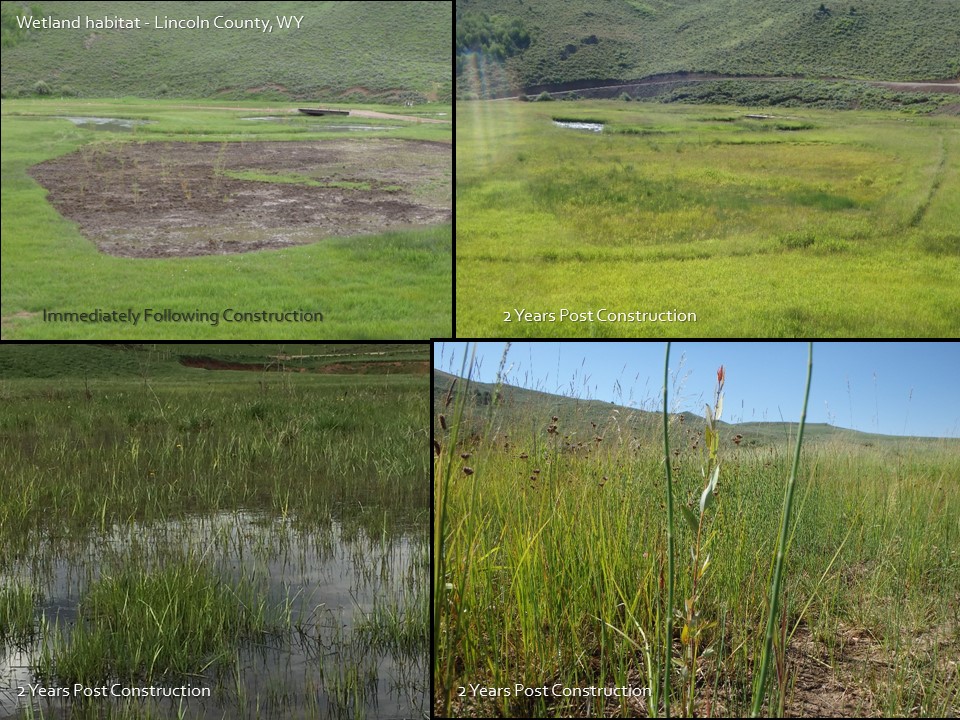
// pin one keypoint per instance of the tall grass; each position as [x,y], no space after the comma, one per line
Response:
[668,635]
[760,685]
[170,621]
[17,623]
[128,450]
[552,566]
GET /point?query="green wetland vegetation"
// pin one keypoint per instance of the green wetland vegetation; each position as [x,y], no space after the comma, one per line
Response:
[393,284]
[257,536]
[553,569]
[805,223]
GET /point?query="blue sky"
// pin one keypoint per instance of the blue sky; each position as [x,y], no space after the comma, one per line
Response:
[892,388]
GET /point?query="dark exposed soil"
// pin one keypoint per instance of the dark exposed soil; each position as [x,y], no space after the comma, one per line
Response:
[418,367]
[173,198]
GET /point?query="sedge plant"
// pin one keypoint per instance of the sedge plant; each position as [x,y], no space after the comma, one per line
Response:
[760,682]
[668,637]
[693,624]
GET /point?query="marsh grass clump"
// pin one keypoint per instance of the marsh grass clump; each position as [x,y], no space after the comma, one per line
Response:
[397,624]
[17,607]
[137,623]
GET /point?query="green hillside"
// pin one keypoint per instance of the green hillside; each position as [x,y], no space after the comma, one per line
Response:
[354,51]
[578,40]
[583,421]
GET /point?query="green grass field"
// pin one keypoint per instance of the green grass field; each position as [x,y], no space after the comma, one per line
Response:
[816,223]
[552,565]
[395,285]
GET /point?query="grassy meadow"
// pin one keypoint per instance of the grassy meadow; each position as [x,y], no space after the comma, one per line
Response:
[260,536]
[814,223]
[394,285]
[552,570]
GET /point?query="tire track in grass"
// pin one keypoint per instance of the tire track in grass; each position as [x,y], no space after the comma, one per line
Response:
[921,210]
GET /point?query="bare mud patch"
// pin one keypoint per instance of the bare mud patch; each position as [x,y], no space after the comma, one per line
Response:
[173,199]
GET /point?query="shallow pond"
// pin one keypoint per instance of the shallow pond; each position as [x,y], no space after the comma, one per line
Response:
[102,123]
[331,589]
[594,127]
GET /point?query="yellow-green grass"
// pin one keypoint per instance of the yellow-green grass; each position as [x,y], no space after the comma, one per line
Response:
[554,571]
[846,226]
[394,285]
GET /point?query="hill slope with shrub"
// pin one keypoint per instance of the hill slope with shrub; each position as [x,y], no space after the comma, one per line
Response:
[385,51]
[574,40]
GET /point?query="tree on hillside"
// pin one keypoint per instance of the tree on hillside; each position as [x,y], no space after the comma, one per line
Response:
[10,31]
[495,38]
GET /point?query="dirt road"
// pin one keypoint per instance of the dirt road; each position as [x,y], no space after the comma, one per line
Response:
[615,86]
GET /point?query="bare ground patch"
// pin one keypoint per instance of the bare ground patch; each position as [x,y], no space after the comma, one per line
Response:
[7,321]
[178,199]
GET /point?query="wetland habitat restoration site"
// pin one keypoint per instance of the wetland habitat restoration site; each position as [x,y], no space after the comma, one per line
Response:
[770,168]
[280,165]
[214,531]
[696,529]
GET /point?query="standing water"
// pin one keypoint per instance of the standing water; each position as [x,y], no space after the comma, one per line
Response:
[342,605]
[182,542]
[577,125]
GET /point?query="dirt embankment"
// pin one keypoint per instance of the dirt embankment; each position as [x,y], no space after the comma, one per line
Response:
[611,88]
[391,116]
[395,367]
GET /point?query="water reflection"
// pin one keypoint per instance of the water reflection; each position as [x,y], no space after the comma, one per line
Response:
[595,127]
[104,123]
